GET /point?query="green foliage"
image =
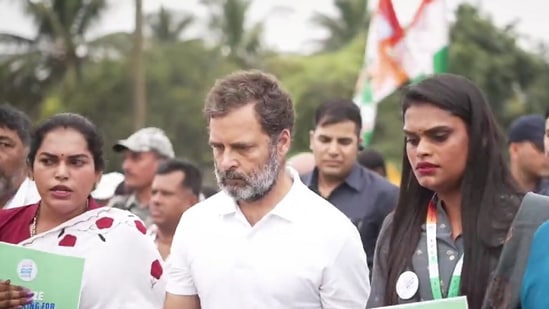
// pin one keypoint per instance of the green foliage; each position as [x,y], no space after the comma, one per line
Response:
[179,73]
[178,77]
[352,18]
[314,79]
[20,82]
[58,47]
[104,96]
[388,137]
[227,23]
[167,26]
[515,80]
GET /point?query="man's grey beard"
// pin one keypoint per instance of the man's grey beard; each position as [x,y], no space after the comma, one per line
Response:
[255,185]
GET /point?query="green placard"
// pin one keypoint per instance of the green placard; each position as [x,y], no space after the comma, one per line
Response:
[446,303]
[56,280]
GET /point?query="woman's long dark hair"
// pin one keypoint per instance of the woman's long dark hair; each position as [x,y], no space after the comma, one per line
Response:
[486,184]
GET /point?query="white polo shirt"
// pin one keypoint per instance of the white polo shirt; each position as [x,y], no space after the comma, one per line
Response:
[26,194]
[303,254]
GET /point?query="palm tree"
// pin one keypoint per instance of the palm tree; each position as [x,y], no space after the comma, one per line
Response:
[227,20]
[352,19]
[167,26]
[138,74]
[61,28]
[31,64]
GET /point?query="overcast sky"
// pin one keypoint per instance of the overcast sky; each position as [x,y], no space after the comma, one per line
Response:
[288,26]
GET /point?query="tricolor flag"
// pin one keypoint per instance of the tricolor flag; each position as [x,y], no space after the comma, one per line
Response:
[426,41]
[381,73]
[394,56]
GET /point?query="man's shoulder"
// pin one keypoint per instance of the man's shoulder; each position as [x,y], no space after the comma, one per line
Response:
[26,194]
[306,178]
[321,219]
[117,200]
[122,201]
[319,209]
[310,198]
[375,183]
[379,180]
[543,187]
[210,206]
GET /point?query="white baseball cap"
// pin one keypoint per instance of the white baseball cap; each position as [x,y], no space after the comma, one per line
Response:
[107,185]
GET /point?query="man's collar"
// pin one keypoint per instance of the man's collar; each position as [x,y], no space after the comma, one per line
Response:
[25,194]
[284,209]
[353,180]
[227,203]
[288,207]
[132,202]
[542,186]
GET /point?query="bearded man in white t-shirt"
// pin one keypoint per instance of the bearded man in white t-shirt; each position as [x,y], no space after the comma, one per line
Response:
[266,240]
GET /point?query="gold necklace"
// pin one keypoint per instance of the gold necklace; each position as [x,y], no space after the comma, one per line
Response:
[33,224]
[35,219]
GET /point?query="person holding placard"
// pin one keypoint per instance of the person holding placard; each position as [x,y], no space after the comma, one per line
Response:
[122,266]
[457,199]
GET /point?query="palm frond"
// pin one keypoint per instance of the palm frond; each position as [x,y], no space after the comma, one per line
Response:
[183,24]
[167,25]
[352,18]
[119,41]
[10,38]
[90,12]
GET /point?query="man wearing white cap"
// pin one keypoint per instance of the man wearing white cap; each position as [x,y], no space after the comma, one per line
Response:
[143,151]
[106,188]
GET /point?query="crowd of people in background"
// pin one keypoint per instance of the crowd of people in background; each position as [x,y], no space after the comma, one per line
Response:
[319,229]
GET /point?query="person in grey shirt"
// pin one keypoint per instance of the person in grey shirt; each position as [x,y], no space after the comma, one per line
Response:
[362,195]
[457,201]
[143,152]
[449,252]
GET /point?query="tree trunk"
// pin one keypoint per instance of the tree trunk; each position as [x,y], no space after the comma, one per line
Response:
[139,90]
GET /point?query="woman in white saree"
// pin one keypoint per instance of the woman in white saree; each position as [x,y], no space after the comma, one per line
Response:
[122,265]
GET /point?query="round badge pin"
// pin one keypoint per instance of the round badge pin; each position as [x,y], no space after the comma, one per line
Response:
[407,285]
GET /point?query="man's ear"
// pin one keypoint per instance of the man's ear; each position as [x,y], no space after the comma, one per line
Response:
[513,148]
[284,141]
[311,139]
